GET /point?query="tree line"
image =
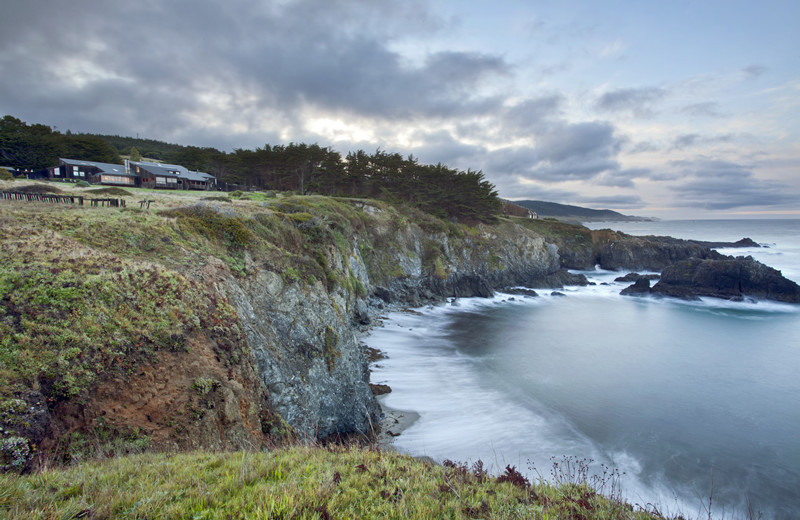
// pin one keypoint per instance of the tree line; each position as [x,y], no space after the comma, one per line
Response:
[436,189]
[37,146]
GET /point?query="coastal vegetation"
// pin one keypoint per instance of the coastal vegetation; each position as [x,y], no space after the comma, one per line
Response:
[302,482]
[94,300]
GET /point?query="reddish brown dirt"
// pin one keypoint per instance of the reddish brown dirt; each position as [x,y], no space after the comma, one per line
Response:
[163,401]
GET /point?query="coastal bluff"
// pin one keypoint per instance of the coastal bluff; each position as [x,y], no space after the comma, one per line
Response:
[222,323]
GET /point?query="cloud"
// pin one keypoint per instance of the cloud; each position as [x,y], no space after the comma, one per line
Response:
[642,147]
[637,101]
[613,49]
[533,115]
[560,151]
[171,66]
[705,109]
[684,141]
[715,184]
[613,201]
[754,71]
[577,150]
[623,178]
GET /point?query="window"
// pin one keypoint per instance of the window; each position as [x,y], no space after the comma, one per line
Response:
[161,180]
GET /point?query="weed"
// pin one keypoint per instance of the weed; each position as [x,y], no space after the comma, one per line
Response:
[514,477]
[204,385]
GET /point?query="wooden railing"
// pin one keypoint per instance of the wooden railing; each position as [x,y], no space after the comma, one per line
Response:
[61,199]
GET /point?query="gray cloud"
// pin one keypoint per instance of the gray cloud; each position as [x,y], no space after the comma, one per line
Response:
[528,192]
[613,201]
[754,71]
[159,63]
[718,185]
[533,115]
[638,101]
[623,178]
[706,109]
[642,147]
[691,140]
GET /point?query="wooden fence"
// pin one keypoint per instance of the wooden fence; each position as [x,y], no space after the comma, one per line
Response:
[60,199]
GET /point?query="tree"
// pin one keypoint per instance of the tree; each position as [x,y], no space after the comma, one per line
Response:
[135,154]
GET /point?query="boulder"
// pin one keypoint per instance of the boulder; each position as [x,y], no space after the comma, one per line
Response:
[633,277]
[745,242]
[521,291]
[726,277]
[640,288]
[24,420]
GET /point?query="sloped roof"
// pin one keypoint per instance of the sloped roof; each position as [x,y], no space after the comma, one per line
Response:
[115,169]
[173,170]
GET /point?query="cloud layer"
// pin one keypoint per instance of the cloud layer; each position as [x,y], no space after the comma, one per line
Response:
[359,74]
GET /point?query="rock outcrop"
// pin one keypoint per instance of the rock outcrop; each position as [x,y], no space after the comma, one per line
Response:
[302,336]
[306,353]
[616,251]
[726,277]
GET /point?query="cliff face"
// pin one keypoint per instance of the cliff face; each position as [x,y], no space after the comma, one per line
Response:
[234,325]
[302,335]
[430,266]
[219,325]
[306,353]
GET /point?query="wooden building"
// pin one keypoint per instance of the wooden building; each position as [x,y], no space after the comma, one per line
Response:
[171,176]
[91,172]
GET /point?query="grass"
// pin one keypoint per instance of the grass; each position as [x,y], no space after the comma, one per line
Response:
[69,313]
[294,482]
[91,294]
[87,293]
[552,228]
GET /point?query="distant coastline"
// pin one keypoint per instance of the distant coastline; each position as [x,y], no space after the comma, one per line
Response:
[577,214]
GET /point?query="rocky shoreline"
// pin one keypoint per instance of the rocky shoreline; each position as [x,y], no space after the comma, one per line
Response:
[695,270]
[281,357]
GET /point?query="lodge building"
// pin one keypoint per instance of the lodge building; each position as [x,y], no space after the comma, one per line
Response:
[134,174]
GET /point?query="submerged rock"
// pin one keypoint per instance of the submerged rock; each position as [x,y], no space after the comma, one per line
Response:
[521,291]
[633,277]
[640,288]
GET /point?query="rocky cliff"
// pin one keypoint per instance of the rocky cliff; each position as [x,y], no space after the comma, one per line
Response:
[302,333]
[230,323]
[220,324]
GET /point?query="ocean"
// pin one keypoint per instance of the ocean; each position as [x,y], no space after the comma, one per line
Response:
[695,404]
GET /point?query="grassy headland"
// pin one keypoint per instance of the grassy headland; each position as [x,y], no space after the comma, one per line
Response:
[104,309]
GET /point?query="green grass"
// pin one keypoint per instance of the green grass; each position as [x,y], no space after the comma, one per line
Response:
[552,228]
[70,314]
[294,482]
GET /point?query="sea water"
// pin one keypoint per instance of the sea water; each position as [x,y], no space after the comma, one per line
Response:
[697,403]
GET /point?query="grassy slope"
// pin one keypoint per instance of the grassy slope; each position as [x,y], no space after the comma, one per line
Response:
[294,482]
[82,288]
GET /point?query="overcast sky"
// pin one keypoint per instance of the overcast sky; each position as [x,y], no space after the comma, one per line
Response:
[680,109]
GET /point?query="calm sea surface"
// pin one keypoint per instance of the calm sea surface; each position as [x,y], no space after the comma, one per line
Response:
[690,400]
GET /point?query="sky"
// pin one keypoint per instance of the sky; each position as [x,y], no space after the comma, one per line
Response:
[680,109]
